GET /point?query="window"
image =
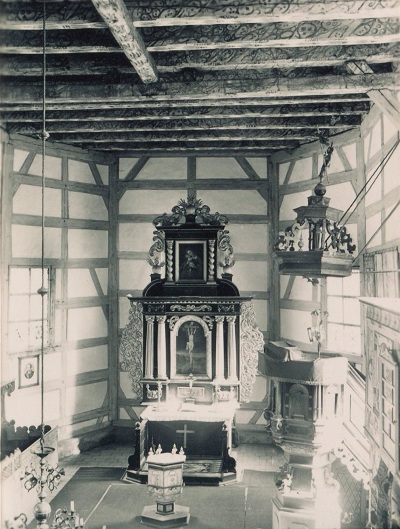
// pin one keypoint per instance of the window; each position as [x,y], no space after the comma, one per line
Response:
[382,273]
[25,309]
[343,320]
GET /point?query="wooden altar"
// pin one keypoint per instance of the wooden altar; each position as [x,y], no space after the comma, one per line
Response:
[191,346]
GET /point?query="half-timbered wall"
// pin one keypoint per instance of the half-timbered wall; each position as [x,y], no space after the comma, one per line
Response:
[76,256]
[234,186]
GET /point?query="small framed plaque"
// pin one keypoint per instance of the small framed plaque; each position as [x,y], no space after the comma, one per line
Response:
[28,371]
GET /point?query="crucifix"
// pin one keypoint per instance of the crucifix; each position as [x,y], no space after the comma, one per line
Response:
[185,432]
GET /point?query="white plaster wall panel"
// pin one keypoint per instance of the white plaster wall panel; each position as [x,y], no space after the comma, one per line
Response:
[58,284]
[102,276]
[85,206]
[133,274]
[372,225]
[19,158]
[150,201]
[300,290]
[391,178]
[52,366]
[27,241]
[302,170]
[294,325]
[27,415]
[251,275]
[259,165]
[86,322]
[343,338]
[28,201]
[389,128]
[290,202]
[123,415]
[282,171]
[249,238]
[80,283]
[374,188]
[164,169]
[373,141]
[137,237]
[341,195]
[261,313]
[88,359]
[350,152]
[77,427]
[85,398]
[234,201]
[125,165]
[125,383]
[87,243]
[80,172]
[104,172]
[52,167]
[124,307]
[219,168]
[392,225]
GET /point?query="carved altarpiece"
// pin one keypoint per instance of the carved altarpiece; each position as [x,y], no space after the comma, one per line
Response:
[192,342]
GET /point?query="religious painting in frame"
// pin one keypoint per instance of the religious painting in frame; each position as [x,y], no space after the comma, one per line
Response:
[191,349]
[28,371]
[191,261]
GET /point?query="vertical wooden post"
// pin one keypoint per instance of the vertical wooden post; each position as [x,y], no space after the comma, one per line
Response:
[274,281]
[113,320]
[191,175]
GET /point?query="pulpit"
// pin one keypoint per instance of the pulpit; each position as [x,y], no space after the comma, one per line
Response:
[191,345]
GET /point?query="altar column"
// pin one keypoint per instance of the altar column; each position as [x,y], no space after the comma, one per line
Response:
[219,355]
[149,369]
[161,348]
[232,362]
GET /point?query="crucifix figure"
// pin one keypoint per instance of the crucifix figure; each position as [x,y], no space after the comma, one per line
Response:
[190,378]
[185,432]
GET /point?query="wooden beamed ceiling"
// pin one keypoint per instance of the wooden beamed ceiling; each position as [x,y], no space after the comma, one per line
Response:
[204,76]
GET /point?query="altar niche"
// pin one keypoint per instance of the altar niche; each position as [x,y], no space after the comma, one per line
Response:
[191,349]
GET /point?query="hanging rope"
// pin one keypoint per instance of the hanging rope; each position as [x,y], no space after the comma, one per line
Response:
[43,291]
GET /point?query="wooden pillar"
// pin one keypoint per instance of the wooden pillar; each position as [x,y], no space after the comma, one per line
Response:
[149,363]
[219,354]
[232,363]
[274,283]
[161,348]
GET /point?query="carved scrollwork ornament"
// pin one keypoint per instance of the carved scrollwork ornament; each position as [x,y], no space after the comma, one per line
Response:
[251,344]
[130,351]
[156,249]
[172,321]
[209,320]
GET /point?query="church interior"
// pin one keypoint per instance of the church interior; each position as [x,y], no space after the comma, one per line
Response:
[200,287]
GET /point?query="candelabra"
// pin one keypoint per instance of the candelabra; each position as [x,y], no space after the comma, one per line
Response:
[64,519]
[316,333]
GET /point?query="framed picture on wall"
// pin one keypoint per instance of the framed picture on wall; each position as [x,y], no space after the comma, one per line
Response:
[191,261]
[28,371]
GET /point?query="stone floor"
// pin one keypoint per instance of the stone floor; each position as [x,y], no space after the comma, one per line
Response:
[248,456]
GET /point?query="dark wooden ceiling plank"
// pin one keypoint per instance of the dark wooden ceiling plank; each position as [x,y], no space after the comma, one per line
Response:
[254,124]
[99,64]
[25,15]
[221,105]
[273,86]
[118,20]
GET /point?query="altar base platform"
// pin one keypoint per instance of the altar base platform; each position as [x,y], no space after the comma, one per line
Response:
[178,518]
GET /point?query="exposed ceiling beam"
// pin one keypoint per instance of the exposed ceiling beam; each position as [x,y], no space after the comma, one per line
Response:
[382,98]
[78,15]
[117,18]
[213,88]
[252,36]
